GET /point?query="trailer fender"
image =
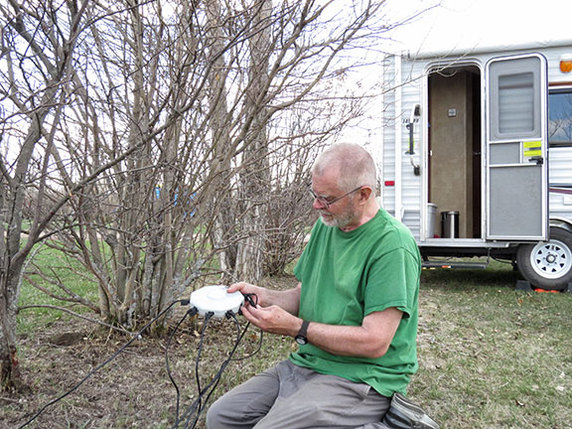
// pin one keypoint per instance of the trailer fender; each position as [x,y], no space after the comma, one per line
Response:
[563,223]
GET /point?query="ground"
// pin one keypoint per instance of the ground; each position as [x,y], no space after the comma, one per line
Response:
[134,389]
[490,357]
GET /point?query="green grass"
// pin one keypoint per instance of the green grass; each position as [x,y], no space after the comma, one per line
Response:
[53,263]
[491,356]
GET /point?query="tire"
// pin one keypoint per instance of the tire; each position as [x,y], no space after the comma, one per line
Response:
[548,265]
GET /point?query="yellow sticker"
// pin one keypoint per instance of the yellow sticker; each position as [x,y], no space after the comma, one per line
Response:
[532,153]
[537,143]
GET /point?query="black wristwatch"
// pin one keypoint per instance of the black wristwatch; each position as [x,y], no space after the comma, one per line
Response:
[301,336]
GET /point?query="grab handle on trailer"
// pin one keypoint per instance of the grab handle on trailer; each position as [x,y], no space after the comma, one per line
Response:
[409,126]
[413,118]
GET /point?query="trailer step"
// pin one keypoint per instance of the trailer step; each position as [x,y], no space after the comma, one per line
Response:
[455,264]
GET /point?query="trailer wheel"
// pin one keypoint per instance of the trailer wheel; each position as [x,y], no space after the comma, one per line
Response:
[548,265]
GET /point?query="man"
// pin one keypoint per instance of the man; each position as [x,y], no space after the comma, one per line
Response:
[354,313]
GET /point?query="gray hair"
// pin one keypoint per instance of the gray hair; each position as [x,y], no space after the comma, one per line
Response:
[355,166]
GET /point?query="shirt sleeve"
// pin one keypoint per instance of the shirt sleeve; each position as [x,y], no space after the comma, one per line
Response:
[392,282]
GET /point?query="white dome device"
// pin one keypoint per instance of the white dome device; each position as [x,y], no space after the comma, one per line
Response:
[215,299]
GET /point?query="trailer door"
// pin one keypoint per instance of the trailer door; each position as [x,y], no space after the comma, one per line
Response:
[516,166]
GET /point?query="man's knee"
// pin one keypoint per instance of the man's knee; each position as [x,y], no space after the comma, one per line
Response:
[226,413]
[211,418]
[214,418]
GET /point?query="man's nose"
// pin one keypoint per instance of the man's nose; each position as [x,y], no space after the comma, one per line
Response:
[319,205]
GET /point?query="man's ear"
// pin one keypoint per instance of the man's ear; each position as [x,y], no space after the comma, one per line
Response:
[365,193]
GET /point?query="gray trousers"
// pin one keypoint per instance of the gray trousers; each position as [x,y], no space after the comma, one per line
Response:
[290,397]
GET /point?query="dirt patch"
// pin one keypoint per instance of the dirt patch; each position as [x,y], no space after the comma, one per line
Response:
[66,338]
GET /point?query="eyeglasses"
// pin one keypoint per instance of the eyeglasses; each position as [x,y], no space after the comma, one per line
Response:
[327,202]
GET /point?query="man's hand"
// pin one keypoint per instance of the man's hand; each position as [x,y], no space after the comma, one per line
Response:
[272,319]
[288,300]
[246,289]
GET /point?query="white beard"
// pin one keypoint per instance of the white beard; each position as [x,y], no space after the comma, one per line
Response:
[340,221]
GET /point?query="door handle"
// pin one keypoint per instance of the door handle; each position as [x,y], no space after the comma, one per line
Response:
[537,159]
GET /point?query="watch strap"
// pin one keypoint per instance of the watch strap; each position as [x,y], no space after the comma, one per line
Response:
[303,332]
[304,328]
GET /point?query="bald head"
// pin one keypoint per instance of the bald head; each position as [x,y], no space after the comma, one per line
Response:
[351,163]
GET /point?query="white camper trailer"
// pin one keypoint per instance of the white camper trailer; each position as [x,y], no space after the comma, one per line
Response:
[477,156]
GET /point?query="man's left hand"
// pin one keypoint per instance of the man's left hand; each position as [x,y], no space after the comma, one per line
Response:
[272,319]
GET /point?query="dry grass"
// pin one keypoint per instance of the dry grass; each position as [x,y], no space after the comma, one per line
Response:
[493,357]
[490,357]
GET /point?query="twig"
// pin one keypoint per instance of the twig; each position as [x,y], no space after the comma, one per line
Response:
[81,316]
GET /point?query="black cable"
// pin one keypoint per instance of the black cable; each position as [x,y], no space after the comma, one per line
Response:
[199,405]
[254,352]
[97,368]
[252,298]
[192,311]
[190,411]
[239,338]
[208,317]
[216,379]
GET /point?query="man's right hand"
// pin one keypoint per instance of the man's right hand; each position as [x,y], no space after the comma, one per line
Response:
[249,289]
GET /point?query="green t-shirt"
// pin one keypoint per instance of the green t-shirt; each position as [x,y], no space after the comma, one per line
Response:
[347,275]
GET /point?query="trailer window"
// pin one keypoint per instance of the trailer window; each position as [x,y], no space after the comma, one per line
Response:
[560,118]
[516,103]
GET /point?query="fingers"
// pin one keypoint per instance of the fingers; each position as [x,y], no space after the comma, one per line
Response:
[252,293]
[251,314]
[241,286]
[271,319]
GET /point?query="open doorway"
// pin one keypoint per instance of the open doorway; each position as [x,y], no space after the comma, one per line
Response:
[454,155]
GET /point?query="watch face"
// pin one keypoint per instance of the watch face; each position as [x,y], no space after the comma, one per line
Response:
[301,340]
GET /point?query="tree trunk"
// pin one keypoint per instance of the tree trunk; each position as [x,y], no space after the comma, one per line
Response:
[47,97]
[255,179]
[222,148]
[11,378]
[13,256]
